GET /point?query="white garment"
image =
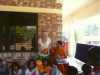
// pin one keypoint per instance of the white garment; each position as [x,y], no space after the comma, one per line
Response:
[19,72]
[28,72]
[43,45]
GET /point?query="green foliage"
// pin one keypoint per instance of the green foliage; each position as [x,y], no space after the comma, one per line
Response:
[25,33]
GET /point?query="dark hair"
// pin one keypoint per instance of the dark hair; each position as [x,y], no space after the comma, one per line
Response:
[1,60]
[13,66]
[29,62]
[46,60]
[86,69]
[73,70]
[60,42]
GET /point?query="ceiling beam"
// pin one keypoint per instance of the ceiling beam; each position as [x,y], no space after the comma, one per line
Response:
[29,9]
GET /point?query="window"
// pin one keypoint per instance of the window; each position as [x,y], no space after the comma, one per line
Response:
[18,31]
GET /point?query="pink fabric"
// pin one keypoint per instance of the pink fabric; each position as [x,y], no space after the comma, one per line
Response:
[34,73]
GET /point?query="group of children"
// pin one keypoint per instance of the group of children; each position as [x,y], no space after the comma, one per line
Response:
[44,63]
[37,65]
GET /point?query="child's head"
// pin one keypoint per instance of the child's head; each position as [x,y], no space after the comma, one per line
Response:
[73,70]
[31,64]
[39,62]
[59,43]
[86,68]
[39,65]
[15,66]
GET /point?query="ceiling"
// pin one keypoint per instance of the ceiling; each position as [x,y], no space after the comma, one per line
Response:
[69,6]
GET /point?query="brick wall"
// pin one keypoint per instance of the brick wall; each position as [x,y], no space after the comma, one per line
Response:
[32,3]
[50,23]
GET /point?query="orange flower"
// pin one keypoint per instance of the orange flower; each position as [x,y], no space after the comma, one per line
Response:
[45,51]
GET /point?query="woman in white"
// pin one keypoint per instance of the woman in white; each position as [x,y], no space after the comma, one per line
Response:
[44,44]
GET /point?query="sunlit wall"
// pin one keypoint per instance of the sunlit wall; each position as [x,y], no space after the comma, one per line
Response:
[69,7]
